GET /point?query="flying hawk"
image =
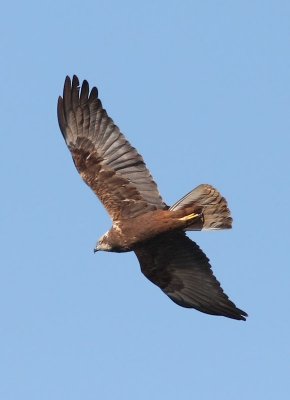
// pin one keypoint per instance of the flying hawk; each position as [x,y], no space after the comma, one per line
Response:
[142,222]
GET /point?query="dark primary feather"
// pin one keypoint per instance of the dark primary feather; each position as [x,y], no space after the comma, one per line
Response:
[179,267]
[104,158]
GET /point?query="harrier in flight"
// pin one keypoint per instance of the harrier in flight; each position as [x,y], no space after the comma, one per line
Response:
[142,221]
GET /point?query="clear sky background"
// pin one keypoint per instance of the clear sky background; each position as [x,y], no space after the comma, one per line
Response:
[201,88]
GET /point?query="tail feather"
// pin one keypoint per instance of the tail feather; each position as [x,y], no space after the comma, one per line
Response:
[216,214]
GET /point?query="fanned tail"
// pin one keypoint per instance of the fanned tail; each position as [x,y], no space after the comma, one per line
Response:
[216,214]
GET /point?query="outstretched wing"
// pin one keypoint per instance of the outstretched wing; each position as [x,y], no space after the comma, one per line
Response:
[182,271]
[104,158]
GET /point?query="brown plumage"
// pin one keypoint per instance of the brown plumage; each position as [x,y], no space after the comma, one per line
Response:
[142,222]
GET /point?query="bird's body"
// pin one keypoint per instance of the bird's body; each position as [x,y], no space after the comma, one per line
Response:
[142,221]
[128,234]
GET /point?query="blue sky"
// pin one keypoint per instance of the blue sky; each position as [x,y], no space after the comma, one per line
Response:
[202,90]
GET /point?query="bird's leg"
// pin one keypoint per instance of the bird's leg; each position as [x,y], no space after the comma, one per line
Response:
[190,217]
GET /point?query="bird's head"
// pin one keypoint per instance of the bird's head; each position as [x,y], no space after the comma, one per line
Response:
[103,244]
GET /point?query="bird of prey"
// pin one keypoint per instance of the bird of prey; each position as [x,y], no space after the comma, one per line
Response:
[141,221]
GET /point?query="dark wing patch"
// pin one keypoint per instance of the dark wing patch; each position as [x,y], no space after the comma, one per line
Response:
[103,157]
[179,267]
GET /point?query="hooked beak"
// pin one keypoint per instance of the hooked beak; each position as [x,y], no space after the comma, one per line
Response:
[97,248]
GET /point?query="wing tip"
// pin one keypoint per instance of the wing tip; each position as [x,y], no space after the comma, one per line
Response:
[94,94]
[67,85]
[61,116]
[75,81]
[243,315]
[72,85]
[239,315]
